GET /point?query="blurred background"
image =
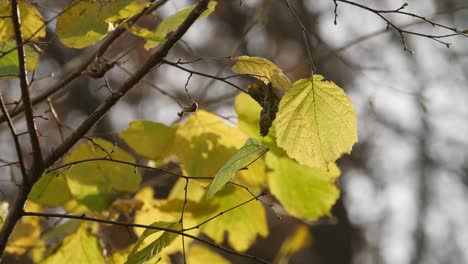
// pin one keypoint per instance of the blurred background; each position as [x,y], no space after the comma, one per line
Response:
[404,187]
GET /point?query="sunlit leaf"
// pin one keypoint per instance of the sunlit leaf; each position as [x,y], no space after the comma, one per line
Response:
[303,191]
[151,140]
[9,65]
[297,241]
[242,225]
[173,22]
[198,254]
[96,184]
[139,256]
[50,190]
[87,21]
[26,232]
[245,156]
[316,122]
[144,33]
[262,69]
[80,247]
[32,22]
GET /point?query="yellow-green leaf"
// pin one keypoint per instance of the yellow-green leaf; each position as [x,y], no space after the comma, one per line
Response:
[198,254]
[139,256]
[32,22]
[9,65]
[242,225]
[80,247]
[50,190]
[87,21]
[245,156]
[299,240]
[304,192]
[144,33]
[173,22]
[151,140]
[316,122]
[262,69]
[26,232]
[97,183]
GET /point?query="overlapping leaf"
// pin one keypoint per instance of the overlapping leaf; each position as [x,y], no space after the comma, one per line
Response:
[32,22]
[316,122]
[262,69]
[50,190]
[87,21]
[294,243]
[198,254]
[26,232]
[151,140]
[96,184]
[80,247]
[245,156]
[303,191]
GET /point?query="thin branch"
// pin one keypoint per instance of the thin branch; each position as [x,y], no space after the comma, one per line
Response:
[118,223]
[25,97]
[19,152]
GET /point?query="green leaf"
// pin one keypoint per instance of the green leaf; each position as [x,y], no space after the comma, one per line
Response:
[192,208]
[151,140]
[97,183]
[87,21]
[173,22]
[304,192]
[32,22]
[316,122]
[242,225]
[80,247]
[262,69]
[137,256]
[50,190]
[198,254]
[9,65]
[245,156]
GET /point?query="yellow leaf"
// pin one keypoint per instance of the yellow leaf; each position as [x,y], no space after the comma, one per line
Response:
[198,254]
[32,22]
[263,70]
[304,192]
[299,240]
[26,232]
[316,122]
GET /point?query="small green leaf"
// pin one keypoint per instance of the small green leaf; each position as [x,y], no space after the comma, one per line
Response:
[173,22]
[316,122]
[87,21]
[97,183]
[250,152]
[304,192]
[32,22]
[50,190]
[262,69]
[151,140]
[80,247]
[9,65]
[137,256]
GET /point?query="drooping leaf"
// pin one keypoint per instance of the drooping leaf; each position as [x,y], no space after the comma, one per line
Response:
[262,69]
[299,240]
[26,232]
[242,225]
[140,256]
[268,100]
[9,65]
[316,122]
[246,155]
[87,21]
[80,247]
[198,254]
[50,190]
[304,192]
[32,23]
[96,184]
[151,140]
[173,22]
